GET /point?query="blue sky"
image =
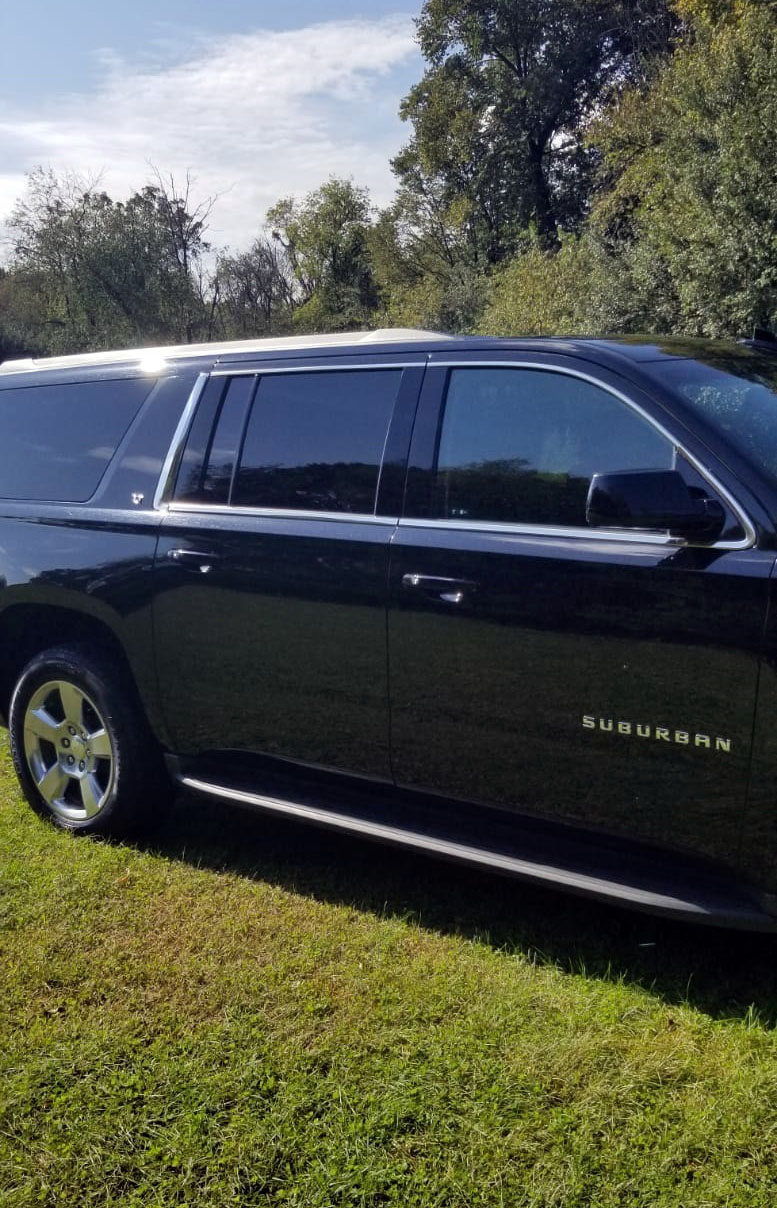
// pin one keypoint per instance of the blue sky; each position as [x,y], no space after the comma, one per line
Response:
[256,99]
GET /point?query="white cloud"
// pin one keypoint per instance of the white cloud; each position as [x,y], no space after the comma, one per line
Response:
[253,116]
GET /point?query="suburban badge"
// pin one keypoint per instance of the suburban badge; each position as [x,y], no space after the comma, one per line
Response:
[680,738]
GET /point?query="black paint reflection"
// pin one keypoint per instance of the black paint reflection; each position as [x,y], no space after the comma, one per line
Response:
[488,703]
[281,646]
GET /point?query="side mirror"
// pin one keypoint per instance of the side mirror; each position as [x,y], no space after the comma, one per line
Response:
[652,499]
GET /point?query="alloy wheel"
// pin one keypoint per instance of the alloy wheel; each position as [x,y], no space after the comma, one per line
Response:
[69,751]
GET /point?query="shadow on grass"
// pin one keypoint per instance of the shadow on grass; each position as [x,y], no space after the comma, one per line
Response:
[726,974]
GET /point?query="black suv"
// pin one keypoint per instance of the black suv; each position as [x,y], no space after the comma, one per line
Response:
[509,601]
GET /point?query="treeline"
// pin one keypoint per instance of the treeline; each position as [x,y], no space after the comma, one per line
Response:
[573,166]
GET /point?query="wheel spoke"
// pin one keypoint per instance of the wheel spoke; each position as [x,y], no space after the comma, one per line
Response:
[52,784]
[72,704]
[100,744]
[42,725]
[91,793]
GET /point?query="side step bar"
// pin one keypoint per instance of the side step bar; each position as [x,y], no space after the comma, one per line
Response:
[720,904]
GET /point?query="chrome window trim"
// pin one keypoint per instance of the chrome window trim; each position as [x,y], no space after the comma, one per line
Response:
[600,534]
[642,537]
[164,483]
[258,372]
[225,509]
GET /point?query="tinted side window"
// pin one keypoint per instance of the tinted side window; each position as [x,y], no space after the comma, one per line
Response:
[521,446]
[315,440]
[56,441]
[207,466]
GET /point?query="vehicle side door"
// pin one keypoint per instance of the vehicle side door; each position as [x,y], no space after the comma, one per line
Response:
[272,564]
[601,677]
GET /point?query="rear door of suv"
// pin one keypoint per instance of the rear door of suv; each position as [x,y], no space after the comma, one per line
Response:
[591,676]
[272,565]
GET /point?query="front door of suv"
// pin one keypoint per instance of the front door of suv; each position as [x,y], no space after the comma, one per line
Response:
[271,569]
[596,677]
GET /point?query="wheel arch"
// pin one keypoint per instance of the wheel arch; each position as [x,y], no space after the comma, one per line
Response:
[27,629]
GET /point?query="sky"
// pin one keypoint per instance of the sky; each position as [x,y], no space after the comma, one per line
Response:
[256,99]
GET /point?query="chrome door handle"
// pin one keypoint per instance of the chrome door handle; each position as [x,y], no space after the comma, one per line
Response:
[193,559]
[449,591]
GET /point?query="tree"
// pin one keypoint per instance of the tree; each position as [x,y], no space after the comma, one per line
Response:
[540,292]
[254,290]
[13,334]
[183,249]
[423,277]
[326,240]
[90,272]
[690,201]
[499,117]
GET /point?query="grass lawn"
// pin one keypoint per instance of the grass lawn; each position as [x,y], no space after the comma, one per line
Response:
[244,1012]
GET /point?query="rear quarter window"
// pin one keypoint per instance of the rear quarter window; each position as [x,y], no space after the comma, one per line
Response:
[56,441]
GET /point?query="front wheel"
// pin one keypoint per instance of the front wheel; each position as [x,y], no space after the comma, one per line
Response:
[84,756]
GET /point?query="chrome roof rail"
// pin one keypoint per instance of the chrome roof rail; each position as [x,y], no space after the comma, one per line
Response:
[153,359]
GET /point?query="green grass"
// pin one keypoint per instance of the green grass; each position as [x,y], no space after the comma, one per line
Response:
[244,1012]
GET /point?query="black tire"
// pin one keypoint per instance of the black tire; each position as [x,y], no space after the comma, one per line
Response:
[100,775]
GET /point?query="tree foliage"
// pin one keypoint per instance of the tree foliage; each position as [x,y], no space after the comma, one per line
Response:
[89,272]
[325,238]
[691,195]
[542,292]
[573,166]
[254,291]
[499,118]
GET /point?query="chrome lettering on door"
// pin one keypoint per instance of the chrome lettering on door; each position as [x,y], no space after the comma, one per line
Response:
[678,737]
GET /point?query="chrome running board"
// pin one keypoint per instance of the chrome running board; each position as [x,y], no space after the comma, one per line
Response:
[717,903]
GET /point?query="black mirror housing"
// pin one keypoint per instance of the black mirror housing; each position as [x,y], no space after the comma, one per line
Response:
[652,499]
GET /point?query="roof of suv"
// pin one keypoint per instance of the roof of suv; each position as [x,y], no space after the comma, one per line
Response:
[153,359]
[160,355]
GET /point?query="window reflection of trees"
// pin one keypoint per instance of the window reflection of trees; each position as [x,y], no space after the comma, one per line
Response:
[521,445]
[317,486]
[513,491]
